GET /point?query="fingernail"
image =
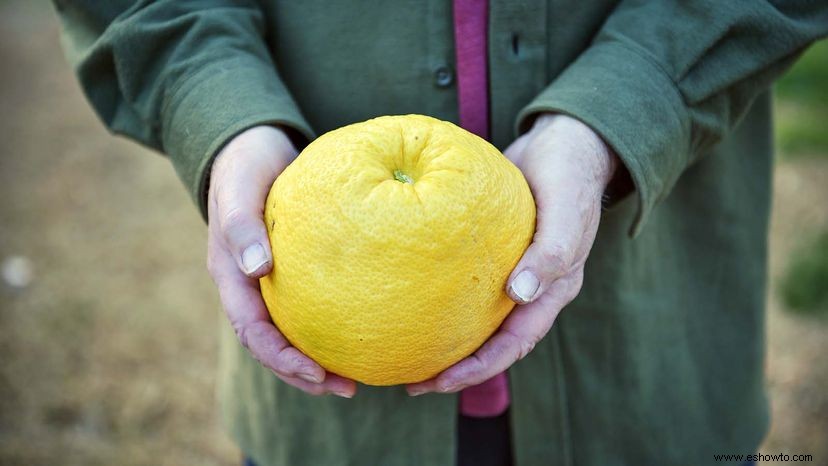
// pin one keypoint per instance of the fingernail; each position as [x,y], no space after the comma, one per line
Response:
[309,378]
[524,286]
[343,394]
[417,392]
[253,258]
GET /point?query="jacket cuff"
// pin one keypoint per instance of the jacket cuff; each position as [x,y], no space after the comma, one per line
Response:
[208,108]
[634,105]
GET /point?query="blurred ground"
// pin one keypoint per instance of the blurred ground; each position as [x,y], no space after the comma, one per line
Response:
[108,354]
[108,357]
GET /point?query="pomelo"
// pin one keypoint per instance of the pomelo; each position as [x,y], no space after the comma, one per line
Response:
[392,242]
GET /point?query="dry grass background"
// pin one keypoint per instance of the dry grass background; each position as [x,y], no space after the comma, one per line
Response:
[108,355]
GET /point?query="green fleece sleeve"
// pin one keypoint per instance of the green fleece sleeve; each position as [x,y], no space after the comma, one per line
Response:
[664,80]
[179,76]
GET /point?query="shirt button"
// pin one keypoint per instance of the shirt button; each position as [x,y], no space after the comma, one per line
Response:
[443,76]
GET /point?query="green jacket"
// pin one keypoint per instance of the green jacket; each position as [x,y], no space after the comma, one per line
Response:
[660,358]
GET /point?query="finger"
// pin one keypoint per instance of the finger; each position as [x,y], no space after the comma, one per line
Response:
[421,388]
[242,302]
[239,204]
[554,251]
[516,338]
[333,384]
[272,349]
[242,176]
[502,350]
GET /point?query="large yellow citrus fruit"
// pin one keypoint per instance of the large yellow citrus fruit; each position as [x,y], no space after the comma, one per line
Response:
[392,242]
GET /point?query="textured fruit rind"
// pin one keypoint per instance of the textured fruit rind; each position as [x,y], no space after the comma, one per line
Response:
[389,282]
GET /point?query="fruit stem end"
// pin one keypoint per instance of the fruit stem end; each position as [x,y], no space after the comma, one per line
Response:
[402,177]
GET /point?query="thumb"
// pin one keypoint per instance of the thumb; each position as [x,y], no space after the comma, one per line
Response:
[550,256]
[239,205]
[243,173]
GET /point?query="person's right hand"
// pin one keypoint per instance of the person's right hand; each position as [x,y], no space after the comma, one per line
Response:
[238,254]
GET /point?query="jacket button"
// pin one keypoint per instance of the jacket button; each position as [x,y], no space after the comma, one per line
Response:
[443,76]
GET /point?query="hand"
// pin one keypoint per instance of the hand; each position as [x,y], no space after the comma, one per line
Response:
[567,167]
[238,253]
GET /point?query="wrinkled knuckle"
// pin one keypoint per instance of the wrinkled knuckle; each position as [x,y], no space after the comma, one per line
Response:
[283,366]
[231,219]
[288,363]
[555,258]
[523,344]
[279,369]
[242,333]
[526,347]
[297,363]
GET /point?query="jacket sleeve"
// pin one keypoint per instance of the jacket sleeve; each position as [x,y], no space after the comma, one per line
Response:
[664,80]
[179,76]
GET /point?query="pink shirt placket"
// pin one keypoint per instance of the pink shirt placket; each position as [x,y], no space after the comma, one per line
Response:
[490,398]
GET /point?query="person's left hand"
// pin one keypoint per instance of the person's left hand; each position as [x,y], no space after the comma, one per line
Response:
[568,168]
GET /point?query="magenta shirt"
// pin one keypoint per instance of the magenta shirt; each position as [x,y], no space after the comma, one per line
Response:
[490,398]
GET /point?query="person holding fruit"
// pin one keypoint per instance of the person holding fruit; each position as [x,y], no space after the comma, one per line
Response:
[652,117]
